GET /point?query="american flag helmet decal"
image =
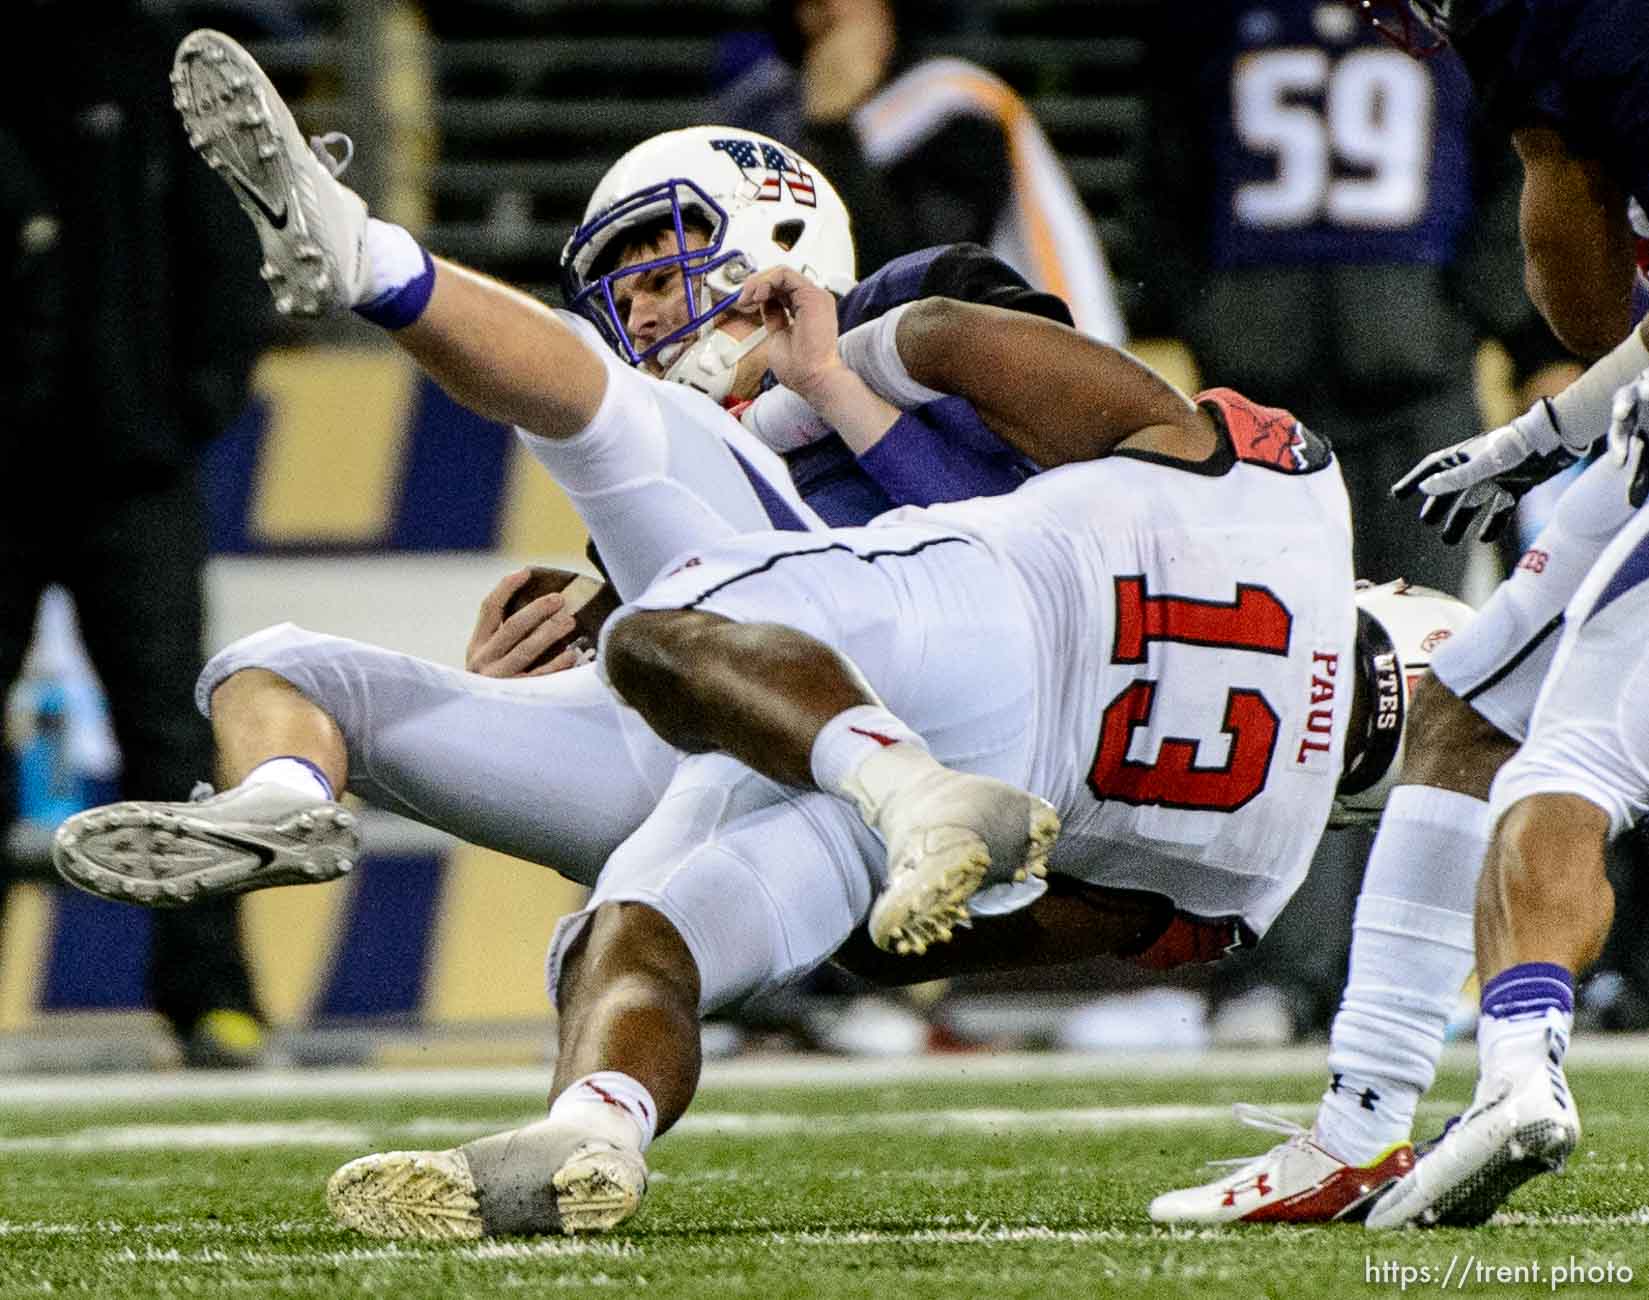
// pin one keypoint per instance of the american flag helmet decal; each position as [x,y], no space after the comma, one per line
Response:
[777,172]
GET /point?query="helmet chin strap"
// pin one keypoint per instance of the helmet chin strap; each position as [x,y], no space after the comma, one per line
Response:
[710,363]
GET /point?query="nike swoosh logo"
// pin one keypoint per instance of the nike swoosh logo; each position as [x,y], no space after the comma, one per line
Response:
[275,218]
[262,852]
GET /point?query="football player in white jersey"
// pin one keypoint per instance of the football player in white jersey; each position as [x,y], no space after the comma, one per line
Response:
[1526,756]
[908,683]
[1108,393]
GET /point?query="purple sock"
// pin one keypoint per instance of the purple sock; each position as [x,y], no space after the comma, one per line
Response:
[1529,991]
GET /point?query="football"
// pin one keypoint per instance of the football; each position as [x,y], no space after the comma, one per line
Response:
[589,601]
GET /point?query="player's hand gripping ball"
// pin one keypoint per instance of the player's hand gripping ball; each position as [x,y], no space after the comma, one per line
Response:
[539,620]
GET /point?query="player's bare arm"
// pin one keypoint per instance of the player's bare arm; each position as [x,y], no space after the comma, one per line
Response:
[1052,392]
[505,355]
[1577,245]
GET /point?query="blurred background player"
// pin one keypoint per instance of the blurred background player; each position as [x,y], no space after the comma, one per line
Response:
[133,322]
[925,150]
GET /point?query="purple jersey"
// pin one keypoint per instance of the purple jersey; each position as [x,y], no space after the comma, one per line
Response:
[1331,144]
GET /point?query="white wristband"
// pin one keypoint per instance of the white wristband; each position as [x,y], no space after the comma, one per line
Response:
[783,420]
[871,350]
[1582,409]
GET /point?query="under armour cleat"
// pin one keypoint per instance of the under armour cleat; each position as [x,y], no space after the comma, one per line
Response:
[313,229]
[949,835]
[1514,1130]
[172,854]
[545,1178]
[1296,1181]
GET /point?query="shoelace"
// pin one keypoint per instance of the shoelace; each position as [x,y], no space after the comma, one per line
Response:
[322,146]
[202,791]
[1260,1118]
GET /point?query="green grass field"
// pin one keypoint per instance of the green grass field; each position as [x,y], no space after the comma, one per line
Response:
[962,1177]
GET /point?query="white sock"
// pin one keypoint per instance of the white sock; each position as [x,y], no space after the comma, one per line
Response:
[400,276]
[394,259]
[292,773]
[610,1104]
[865,755]
[1411,951]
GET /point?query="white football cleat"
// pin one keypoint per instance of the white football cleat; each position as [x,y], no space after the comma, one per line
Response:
[545,1178]
[1296,1181]
[1514,1130]
[171,854]
[313,229]
[949,834]
[414,1195]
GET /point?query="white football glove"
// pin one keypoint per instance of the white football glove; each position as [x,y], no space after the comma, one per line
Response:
[1628,428]
[1483,477]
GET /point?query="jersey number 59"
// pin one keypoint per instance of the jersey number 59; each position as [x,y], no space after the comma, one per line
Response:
[1350,138]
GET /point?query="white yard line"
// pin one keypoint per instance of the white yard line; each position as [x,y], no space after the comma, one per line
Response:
[761,1072]
[431,1131]
[485,1252]
[639,1250]
[194,1137]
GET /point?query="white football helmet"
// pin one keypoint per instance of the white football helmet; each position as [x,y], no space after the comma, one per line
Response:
[1398,627]
[764,205]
